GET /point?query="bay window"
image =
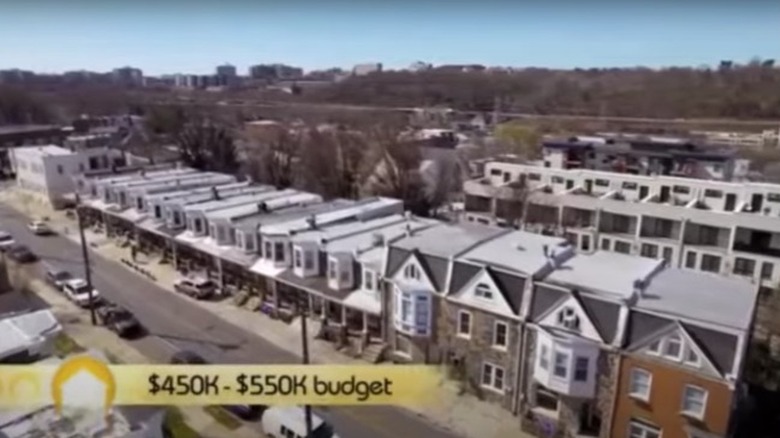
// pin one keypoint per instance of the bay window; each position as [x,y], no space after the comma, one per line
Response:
[308,260]
[279,252]
[298,258]
[412,312]
[566,364]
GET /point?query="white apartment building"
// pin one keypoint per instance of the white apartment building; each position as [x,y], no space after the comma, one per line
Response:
[48,171]
[713,226]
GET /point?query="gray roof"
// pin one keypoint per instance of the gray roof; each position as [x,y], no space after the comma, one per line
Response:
[435,267]
[360,236]
[202,197]
[363,208]
[251,222]
[195,191]
[272,202]
[719,347]
[517,251]
[605,315]
[448,240]
[217,204]
[604,272]
[703,297]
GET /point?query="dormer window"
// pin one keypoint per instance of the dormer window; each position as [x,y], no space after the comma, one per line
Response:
[483,291]
[673,347]
[268,250]
[157,212]
[332,269]
[308,260]
[139,203]
[411,272]
[278,252]
[568,319]
[198,225]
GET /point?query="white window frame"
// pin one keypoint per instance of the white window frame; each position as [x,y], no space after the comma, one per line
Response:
[490,371]
[298,257]
[668,341]
[655,347]
[632,380]
[575,369]
[412,272]
[333,269]
[544,357]
[369,280]
[461,314]
[645,430]
[566,364]
[685,398]
[497,345]
[484,291]
[696,361]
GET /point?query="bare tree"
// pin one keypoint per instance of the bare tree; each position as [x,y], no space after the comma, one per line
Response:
[395,170]
[206,145]
[273,160]
[331,162]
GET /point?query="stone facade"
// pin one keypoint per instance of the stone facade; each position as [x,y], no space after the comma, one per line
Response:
[466,356]
[568,424]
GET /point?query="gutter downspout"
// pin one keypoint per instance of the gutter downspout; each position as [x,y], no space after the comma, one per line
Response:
[615,393]
[520,380]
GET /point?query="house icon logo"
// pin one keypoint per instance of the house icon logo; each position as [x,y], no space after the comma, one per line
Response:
[85,369]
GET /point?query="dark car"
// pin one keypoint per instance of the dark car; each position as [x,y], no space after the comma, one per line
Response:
[245,412]
[57,277]
[117,319]
[186,357]
[22,254]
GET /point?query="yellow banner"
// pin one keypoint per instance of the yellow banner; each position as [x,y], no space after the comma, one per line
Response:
[87,380]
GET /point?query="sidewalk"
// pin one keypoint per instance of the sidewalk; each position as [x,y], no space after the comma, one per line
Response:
[77,326]
[463,414]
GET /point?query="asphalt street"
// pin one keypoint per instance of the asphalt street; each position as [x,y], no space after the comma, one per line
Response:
[175,323]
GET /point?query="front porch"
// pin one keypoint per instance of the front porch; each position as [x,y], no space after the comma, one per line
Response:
[352,330]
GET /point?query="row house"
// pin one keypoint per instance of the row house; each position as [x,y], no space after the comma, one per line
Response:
[526,323]
[711,226]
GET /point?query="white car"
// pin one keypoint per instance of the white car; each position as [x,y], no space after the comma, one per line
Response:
[290,421]
[6,241]
[77,290]
[39,227]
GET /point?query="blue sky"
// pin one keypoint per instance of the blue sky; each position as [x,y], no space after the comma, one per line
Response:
[184,36]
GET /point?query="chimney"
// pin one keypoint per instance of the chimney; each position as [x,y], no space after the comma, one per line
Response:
[639,287]
[546,250]
[142,172]
[408,230]
[408,215]
[214,193]
[312,221]
[378,239]
[262,207]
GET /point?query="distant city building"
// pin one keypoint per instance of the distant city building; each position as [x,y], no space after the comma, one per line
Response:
[275,72]
[128,76]
[366,69]
[767,138]
[226,70]
[467,68]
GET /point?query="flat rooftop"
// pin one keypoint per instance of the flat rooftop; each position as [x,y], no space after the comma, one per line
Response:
[518,251]
[289,214]
[448,240]
[323,218]
[24,129]
[361,236]
[701,296]
[271,203]
[194,191]
[604,272]
[218,204]
[46,150]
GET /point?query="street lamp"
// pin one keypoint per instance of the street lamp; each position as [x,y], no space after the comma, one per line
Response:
[85,256]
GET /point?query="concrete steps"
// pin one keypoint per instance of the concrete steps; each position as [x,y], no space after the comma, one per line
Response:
[374,353]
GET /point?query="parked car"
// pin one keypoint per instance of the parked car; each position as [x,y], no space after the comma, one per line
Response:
[21,254]
[245,412]
[77,290]
[118,319]
[57,277]
[290,421]
[6,241]
[39,228]
[196,287]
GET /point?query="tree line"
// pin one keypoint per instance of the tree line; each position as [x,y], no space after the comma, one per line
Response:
[747,91]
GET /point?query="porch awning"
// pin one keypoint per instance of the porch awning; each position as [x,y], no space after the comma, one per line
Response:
[239,257]
[365,301]
[266,268]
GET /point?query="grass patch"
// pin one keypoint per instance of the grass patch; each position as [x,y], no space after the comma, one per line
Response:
[64,345]
[223,417]
[176,427]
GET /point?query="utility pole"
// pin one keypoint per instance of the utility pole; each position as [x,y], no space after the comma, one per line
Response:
[304,314]
[85,256]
